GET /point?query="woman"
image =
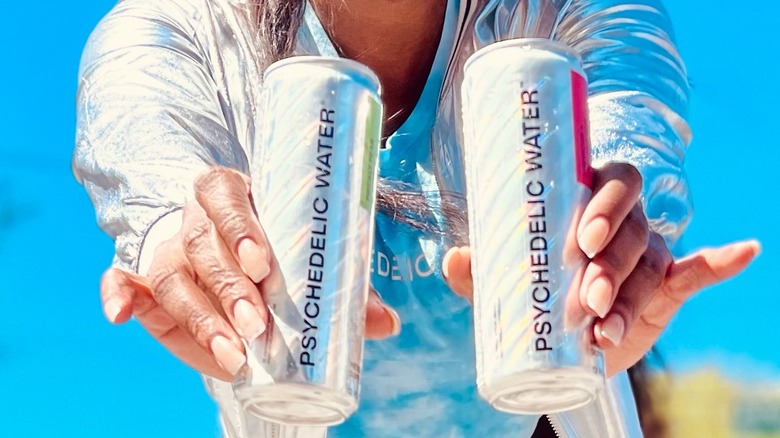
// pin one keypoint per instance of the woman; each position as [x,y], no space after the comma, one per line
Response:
[167,139]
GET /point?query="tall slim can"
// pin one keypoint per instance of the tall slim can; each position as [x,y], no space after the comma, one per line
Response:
[314,191]
[528,173]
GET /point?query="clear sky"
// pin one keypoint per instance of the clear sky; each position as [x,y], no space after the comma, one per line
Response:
[64,371]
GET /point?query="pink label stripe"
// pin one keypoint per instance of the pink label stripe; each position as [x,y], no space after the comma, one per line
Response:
[579,97]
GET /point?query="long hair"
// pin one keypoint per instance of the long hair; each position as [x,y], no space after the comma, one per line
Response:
[277,23]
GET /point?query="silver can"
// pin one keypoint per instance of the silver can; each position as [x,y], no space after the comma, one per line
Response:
[315,183]
[527,153]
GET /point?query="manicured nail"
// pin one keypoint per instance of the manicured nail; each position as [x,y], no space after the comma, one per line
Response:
[756,246]
[250,323]
[593,236]
[396,320]
[613,329]
[599,295]
[445,268]
[112,309]
[228,356]
[253,260]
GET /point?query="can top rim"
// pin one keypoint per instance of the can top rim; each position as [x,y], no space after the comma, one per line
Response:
[528,44]
[343,64]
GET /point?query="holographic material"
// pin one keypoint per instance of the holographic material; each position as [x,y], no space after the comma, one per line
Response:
[315,194]
[612,415]
[528,173]
[637,87]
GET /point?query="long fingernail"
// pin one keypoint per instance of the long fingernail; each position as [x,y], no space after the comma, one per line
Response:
[253,260]
[613,329]
[396,320]
[112,309]
[228,356]
[593,236]
[599,295]
[445,269]
[248,319]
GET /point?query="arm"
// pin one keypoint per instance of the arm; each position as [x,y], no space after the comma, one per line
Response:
[158,153]
[638,99]
[149,125]
[637,85]
[148,121]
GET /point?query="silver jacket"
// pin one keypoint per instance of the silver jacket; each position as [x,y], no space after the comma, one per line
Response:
[170,88]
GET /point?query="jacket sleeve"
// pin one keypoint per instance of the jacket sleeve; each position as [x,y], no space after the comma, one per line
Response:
[149,120]
[638,98]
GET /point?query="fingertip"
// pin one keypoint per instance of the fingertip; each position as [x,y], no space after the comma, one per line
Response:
[253,260]
[748,250]
[732,259]
[118,290]
[599,296]
[445,263]
[230,358]
[112,310]
[382,321]
[395,329]
[593,236]
[754,245]
[612,329]
[249,320]
[460,264]
[458,271]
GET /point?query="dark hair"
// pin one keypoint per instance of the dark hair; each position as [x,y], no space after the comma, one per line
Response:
[278,22]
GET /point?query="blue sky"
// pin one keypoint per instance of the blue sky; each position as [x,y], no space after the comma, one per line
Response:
[67,372]
[732,165]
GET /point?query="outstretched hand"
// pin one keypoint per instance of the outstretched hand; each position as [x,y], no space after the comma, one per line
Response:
[631,285]
[205,289]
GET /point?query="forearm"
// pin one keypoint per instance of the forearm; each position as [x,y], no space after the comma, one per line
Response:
[638,99]
[149,121]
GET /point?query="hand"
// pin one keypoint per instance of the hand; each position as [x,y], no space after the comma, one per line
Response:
[631,284]
[204,290]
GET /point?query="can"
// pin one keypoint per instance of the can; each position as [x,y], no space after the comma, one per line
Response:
[528,176]
[314,191]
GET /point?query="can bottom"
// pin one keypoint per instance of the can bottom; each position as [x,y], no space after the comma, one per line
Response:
[296,404]
[537,392]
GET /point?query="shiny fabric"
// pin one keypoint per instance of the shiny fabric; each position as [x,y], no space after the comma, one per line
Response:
[170,88]
[637,84]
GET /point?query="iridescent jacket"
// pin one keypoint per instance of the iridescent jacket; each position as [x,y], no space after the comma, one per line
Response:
[169,88]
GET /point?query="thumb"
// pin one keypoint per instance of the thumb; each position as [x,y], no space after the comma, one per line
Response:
[456,268]
[707,267]
[381,320]
[118,291]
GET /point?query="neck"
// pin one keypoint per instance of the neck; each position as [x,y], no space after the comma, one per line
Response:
[397,39]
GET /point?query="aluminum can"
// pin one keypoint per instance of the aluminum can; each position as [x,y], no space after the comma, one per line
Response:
[528,175]
[314,192]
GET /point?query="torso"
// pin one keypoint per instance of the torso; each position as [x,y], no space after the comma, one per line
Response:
[397,39]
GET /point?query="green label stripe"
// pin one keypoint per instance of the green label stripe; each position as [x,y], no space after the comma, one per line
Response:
[373,126]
